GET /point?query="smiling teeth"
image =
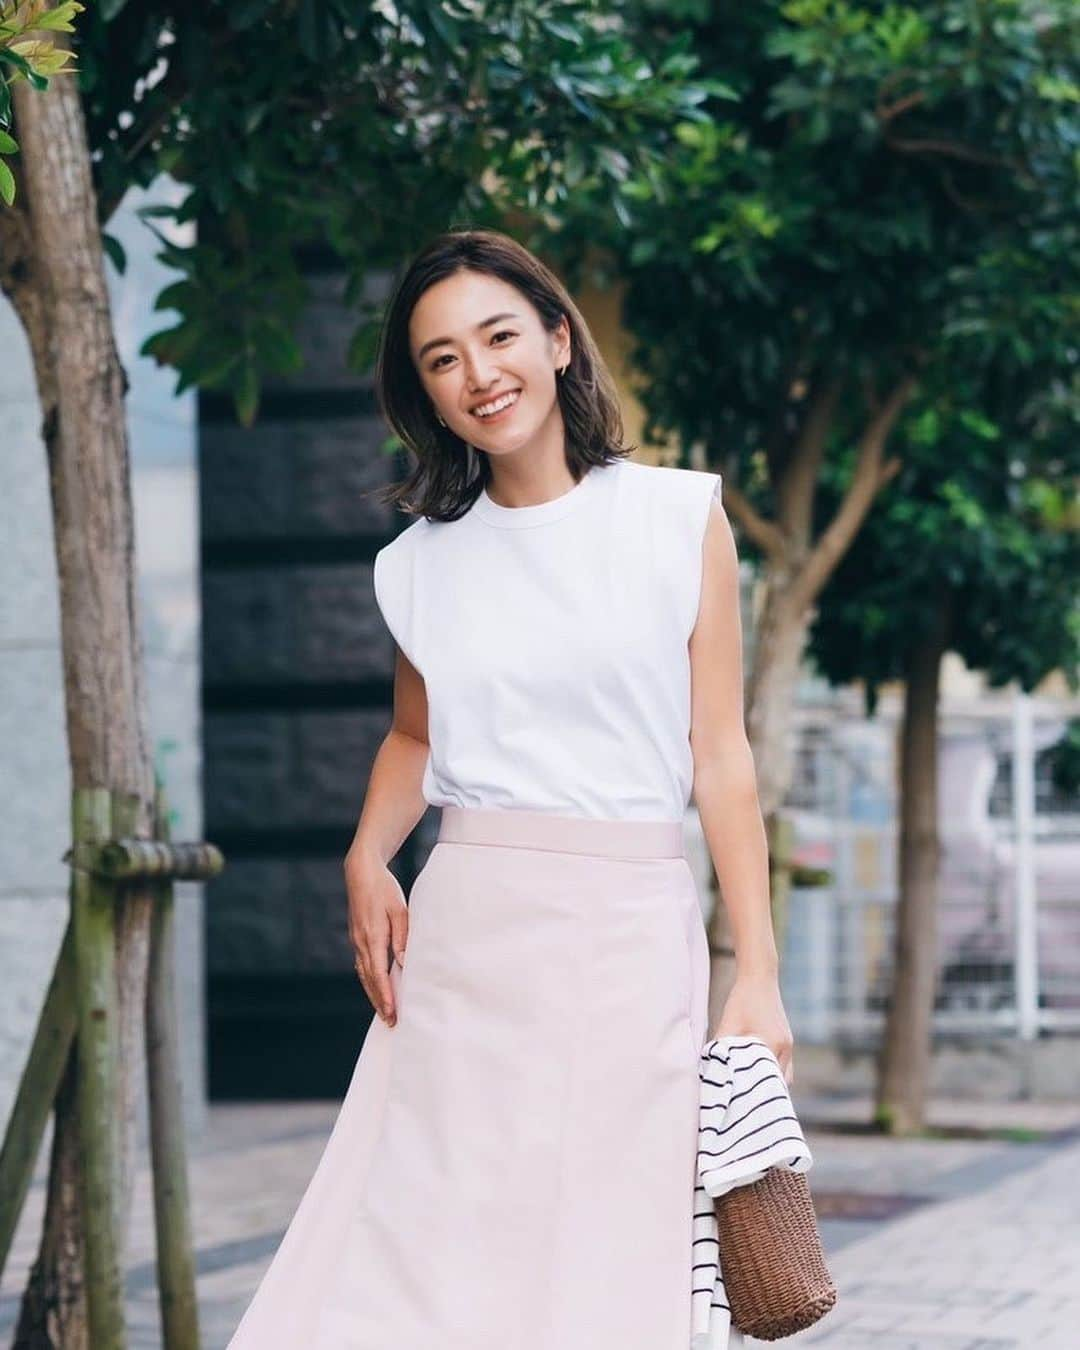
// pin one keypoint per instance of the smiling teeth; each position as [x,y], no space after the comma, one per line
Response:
[486,409]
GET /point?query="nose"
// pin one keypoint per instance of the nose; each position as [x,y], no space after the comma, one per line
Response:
[480,370]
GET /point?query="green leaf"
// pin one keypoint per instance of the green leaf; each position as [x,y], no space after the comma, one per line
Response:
[318,31]
[208,368]
[58,20]
[10,57]
[243,14]
[8,144]
[246,394]
[445,27]
[155,212]
[566,31]
[173,346]
[115,250]
[363,347]
[275,345]
[7,183]
[42,56]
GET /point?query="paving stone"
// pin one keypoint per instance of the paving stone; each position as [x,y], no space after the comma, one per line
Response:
[989,1267]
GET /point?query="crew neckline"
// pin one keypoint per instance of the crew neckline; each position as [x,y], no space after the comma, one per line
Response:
[539,513]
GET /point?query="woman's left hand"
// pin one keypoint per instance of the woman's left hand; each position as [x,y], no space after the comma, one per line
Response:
[754,1008]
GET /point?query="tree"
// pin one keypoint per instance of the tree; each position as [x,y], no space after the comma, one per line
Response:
[881,184]
[369,127]
[372,126]
[985,519]
[27,53]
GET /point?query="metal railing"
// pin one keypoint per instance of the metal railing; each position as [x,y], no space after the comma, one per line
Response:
[1008,920]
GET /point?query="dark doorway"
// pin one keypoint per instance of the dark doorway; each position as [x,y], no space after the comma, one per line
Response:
[297,687]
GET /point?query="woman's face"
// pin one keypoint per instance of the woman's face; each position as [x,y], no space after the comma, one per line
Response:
[486,361]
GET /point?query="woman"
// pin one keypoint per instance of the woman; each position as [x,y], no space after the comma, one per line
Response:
[513,1165]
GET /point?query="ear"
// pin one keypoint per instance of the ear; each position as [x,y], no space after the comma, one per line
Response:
[560,340]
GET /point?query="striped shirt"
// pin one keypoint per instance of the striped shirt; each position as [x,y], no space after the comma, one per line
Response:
[747,1124]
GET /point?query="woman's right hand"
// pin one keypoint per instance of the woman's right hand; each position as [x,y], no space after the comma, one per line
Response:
[378,923]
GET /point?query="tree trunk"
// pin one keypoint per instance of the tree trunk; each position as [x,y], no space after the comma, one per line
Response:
[55,278]
[779,644]
[905,1057]
[797,567]
[780,639]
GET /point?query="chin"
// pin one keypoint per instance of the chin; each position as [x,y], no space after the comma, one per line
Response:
[507,444]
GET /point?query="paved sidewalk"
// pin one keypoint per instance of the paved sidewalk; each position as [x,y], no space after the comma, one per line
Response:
[960,1243]
[995,1268]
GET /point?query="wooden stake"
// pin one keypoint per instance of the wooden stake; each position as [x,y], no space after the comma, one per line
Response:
[37,1091]
[175,1248]
[93,924]
[781,830]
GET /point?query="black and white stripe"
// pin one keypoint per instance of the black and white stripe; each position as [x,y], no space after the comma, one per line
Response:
[746,1125]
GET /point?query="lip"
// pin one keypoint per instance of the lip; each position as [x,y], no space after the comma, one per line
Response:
[503,412]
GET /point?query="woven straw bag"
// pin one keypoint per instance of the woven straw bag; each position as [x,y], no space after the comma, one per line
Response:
[771,1256]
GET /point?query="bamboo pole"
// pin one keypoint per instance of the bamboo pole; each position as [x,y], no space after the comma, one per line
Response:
[37,1092]
[81,1004]
[118,860]
[172,1221]
[94,927]
[147,860]
[781,843]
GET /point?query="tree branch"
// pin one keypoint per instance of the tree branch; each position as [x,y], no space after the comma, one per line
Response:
[886,113]
[889,470]
[795,490]
[867,480]
[768,536]
[929,145]
[776,435]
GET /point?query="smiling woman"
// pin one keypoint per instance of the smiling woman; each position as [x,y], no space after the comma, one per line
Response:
[495,372]
[529,1091]
[483,350]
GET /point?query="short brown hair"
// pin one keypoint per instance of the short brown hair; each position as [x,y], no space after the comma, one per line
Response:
[439,486]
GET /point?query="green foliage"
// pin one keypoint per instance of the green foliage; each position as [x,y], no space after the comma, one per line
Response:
[893,189]
[892,184]
[237,322]
[1065,761]
[366,128]
[985,512]
[24,56]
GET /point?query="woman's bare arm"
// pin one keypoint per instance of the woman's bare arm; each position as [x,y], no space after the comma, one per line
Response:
[393,804]
[725,793]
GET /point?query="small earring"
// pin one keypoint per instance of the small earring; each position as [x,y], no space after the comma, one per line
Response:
[564,369]
[439,418]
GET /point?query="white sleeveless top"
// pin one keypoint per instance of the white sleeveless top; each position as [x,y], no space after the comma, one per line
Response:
[552,641]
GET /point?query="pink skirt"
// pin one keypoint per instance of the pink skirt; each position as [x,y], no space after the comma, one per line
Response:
[513,1166]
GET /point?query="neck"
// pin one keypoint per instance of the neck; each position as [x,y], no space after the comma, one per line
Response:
[535,472]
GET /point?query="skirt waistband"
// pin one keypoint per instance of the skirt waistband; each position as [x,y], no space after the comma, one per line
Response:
[597,836]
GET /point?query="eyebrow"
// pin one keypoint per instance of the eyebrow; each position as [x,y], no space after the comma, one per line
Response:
[445,341]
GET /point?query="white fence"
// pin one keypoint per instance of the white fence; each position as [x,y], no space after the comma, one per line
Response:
[1008,930]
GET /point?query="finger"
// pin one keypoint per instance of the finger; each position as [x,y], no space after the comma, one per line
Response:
[377,966]
[399,931]
[363,968]
[361,975]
